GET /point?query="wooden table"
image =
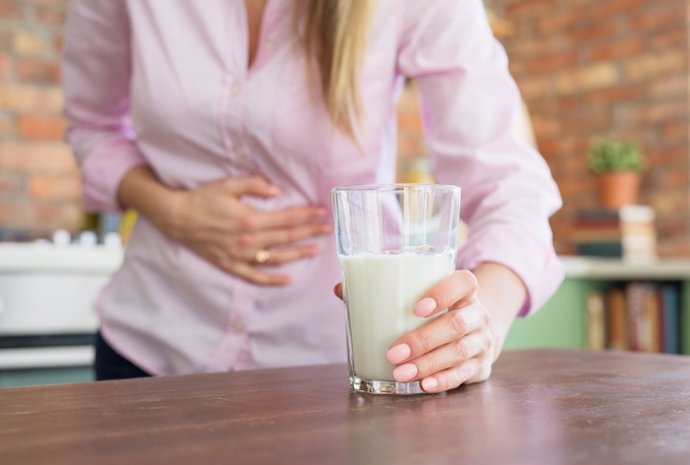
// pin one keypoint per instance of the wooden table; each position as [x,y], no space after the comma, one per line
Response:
[539,407]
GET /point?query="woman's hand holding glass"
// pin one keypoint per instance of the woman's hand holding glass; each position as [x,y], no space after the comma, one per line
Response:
[456,347]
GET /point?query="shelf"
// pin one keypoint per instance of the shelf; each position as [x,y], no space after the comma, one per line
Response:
[615,269]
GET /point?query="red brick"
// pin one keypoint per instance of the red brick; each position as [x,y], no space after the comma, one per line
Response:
[546,127]
[58,44]
[668,86]
[56,188]
[621,93]
[6,39]
[37,157]
[24,98]
[611,51]
[548,63]
[29,43]
[41,71]
[33,216]
[656,112]
[663,17]
[41,127]
[9,183]
[586,78]
[675,130]
[536,86]
[653,64]
[595,31]
[615,8]
[9,9]
[50,17]
[5,66]
[6,126]
[554,22]
[665,39]
[522,9]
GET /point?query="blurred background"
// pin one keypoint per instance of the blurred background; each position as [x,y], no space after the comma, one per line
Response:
[599,79]
[586,69]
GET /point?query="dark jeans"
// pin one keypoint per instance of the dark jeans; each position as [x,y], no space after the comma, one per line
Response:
[111,365]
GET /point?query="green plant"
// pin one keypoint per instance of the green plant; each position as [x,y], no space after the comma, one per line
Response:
[614,155]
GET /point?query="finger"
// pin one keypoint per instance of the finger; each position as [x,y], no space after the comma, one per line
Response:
[253,185]
[442,330]
[455,376]
[452,354]
[286,218]
[453,291]
[270,238]
[284,255]
[338,290]
[253,275]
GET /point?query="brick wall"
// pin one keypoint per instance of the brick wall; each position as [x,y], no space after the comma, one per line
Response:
[589,68]
[39,182]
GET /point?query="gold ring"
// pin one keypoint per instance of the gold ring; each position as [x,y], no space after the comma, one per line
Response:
[262,256]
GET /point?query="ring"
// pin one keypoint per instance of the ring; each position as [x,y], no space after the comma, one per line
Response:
[262,256]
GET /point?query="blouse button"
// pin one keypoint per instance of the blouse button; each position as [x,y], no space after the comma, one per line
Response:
[238,327]
[234,89]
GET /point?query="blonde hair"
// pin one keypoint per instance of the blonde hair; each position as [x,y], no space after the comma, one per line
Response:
[336,34]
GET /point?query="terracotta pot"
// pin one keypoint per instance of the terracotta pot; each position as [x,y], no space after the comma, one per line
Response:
[618,188]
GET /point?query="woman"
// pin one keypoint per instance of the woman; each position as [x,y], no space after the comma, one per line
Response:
[226,124]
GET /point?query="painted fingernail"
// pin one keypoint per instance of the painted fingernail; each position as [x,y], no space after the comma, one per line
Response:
[425,306]
[405,372]
[398,353]
[429,383]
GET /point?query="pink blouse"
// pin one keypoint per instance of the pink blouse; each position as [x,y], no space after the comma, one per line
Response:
[166,84]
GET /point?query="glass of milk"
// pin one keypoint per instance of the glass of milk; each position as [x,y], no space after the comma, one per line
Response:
[395,241]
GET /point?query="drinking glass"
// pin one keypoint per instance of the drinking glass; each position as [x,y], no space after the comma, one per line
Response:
[394,241]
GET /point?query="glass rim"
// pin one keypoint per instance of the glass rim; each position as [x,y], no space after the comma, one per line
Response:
[393,187]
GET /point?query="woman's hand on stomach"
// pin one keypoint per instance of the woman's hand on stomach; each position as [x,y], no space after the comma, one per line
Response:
[214,222]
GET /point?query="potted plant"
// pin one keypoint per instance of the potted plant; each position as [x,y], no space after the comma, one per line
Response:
[618,166]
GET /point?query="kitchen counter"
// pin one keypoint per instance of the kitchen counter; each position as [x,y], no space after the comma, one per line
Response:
[540,406]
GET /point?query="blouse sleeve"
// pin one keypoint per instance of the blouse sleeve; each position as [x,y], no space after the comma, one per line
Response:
[469,106]
[96,69]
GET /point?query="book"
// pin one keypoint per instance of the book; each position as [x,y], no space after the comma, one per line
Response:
[652,321]
[628,233]
[670,316]
[636,298]
[596,328]
[617,319]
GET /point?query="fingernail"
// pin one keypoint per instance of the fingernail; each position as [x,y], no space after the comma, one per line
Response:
[429,384]
[405,372]
[273,190]
[425,306]
[398,353]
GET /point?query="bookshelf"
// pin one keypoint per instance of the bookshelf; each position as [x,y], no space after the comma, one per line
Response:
[562,322]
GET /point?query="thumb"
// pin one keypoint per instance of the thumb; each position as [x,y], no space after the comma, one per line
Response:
[252,185]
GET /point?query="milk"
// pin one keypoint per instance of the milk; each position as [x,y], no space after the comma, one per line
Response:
[380,292]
